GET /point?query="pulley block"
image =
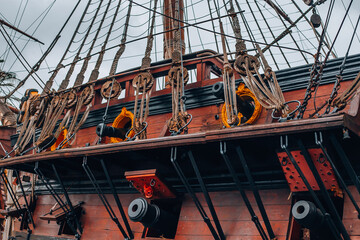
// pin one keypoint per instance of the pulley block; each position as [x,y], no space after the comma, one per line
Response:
[56,100]
[71,99]
[242,61]
[178,72]
[114,92]
[88,94]
[35,102]
[308,2]
[315,20]
[143,80]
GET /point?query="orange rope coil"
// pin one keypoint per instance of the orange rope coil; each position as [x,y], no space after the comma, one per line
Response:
[120,121]
[243,92]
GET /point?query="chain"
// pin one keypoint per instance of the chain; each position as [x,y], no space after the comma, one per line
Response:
[339,78]
[311,88]
[334,93]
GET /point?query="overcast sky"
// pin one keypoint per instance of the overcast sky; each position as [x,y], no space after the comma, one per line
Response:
[28,14]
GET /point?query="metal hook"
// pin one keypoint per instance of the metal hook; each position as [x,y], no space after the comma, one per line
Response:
[173,133]
[173,154]
[137,134]
[223,148]
[318,139]
[282,144]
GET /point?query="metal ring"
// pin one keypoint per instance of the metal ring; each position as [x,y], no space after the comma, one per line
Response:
[284,161]
[321,158]
[137,134]
[290,114]
[173,133]
[152,182]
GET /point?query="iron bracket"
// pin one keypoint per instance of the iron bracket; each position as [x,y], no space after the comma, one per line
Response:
[255,191]
[323,190]
[319,142]
[173,158]
[104,200]
[26,216]
[284,143]
[346,162]
[70,214]
[254,217]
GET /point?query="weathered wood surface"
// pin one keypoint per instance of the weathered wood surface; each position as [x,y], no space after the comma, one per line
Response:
[5,133]
[251,131]
[232,212]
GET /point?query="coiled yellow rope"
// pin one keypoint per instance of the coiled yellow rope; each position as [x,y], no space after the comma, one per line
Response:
[120,121]
[244,93]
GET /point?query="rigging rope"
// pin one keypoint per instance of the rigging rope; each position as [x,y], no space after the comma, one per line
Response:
[45,13]
[111,93]
[66,81]
[143,83]
[95,73]
[49,83]
[84,99]
[20,57]
[267,90]
[229,86]
[80,77]
[122,44]
[178,78]
[316,71]
[276,41]
[7,51]
[290,34]
[340,102]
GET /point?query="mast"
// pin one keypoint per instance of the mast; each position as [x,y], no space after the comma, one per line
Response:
[169,24]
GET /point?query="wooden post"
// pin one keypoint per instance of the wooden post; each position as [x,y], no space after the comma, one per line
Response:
[170,23]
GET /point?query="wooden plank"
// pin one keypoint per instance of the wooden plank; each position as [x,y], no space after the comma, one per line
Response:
[23,235]
[249,132]
[273,129]
[235,219]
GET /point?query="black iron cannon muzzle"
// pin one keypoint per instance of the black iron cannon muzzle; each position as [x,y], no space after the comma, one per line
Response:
[150,215]
[309,216]
[107,131]
[245,107]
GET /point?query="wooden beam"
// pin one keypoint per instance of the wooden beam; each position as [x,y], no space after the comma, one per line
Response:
[245,132]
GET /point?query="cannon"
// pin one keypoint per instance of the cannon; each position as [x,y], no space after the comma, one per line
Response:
[309,216]
[245,107]
[102,130]
[151,216]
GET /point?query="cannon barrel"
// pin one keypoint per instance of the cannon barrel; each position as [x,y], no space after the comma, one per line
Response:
[245,107]
[102,130]
[150,215]
[309,216]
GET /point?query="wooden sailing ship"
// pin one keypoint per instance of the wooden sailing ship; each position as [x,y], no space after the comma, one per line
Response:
[233,153]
